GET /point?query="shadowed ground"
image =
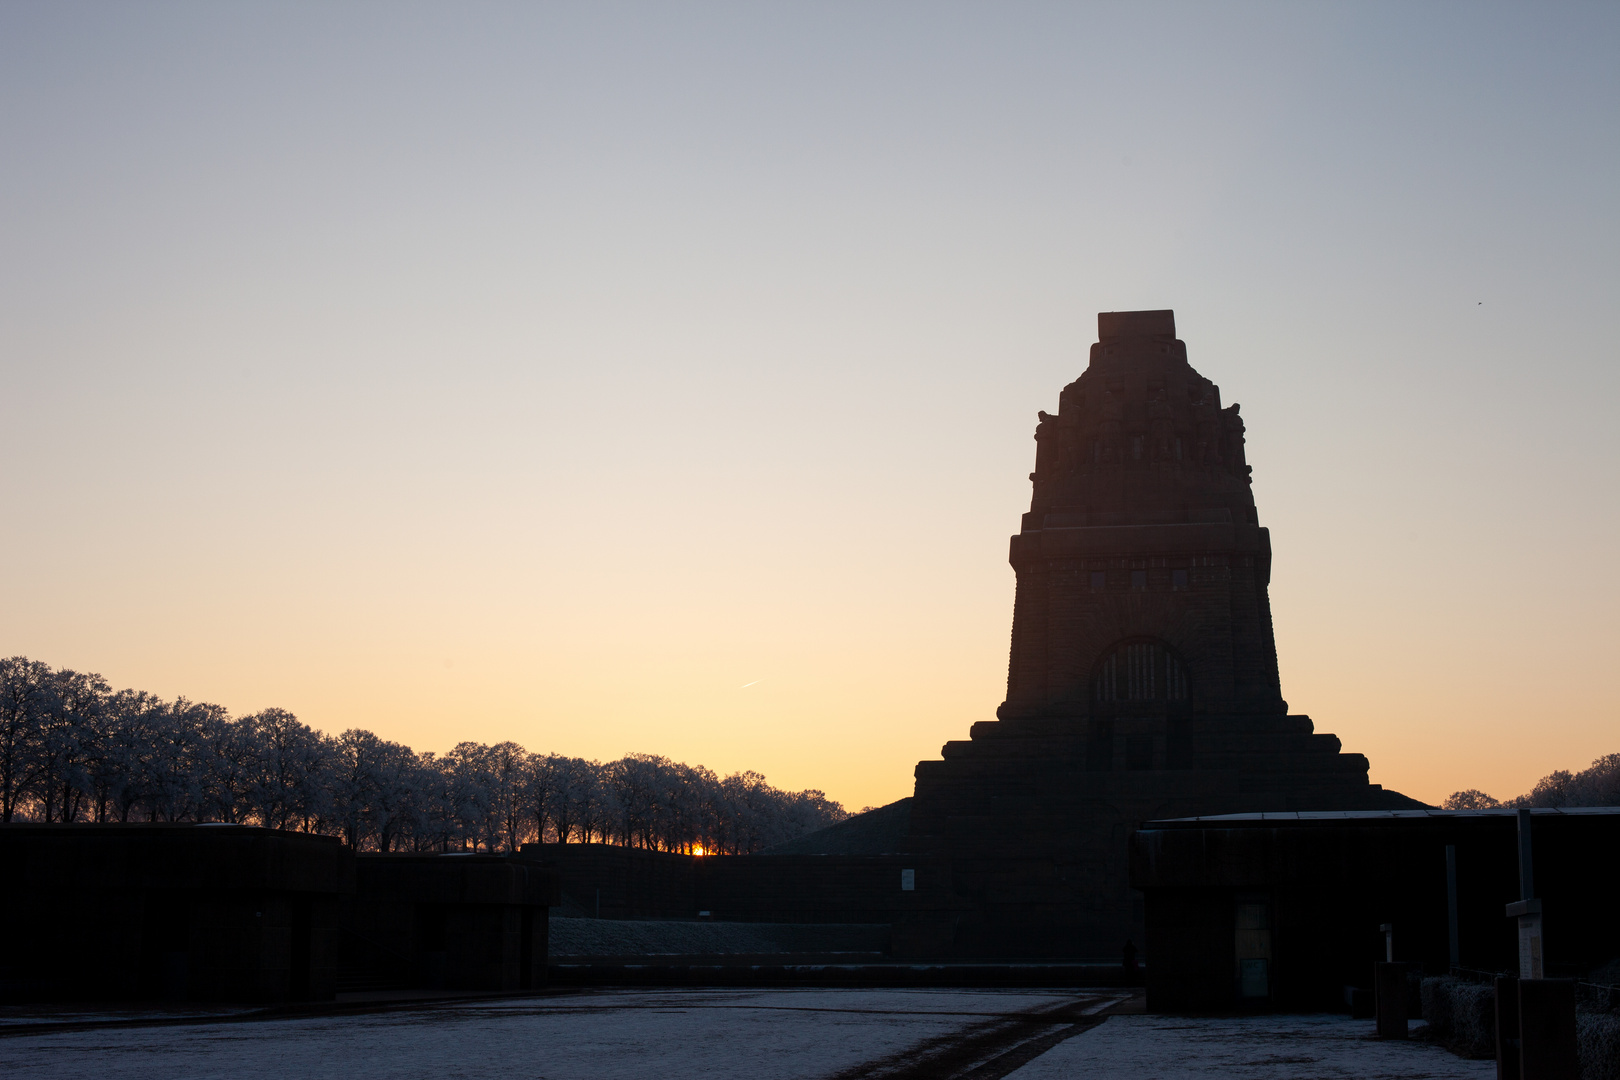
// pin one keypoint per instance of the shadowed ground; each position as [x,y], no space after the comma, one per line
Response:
[1253,1048]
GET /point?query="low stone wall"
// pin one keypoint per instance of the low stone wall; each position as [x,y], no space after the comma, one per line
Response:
[911,894]
[451,922]
[165,911]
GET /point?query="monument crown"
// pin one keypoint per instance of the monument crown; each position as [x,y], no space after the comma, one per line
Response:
[1122,324]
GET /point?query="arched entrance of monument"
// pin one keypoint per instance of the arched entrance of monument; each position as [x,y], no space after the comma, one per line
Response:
[1140,689]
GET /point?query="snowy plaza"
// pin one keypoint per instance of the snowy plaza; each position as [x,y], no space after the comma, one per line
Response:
[627,1034]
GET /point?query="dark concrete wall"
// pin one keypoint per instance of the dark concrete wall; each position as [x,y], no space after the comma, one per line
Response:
[618,882]
[761,888]
[236,913]
[454,922]
[212,913]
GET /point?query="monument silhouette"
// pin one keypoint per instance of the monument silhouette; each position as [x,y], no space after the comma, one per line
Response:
[1142,682]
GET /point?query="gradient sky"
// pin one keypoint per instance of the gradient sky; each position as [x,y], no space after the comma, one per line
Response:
[552,371]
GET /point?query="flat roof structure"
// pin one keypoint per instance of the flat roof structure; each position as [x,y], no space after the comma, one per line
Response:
[1284,909]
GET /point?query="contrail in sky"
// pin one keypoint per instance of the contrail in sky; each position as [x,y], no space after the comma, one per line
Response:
[746,685]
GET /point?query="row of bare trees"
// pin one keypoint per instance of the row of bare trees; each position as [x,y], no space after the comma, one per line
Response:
[1595,786]
[74,750]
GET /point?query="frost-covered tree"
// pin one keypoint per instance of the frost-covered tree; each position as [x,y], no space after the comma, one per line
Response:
[370,790]
[437,823]
[540,792]
[231,752]
[565,800]
[396,779]
[285,788]
[124,777]
[72,715]
[178,759]
[71,749]
[472,783]
[1471,799]
[508,772]
[23,698]
[1598,785]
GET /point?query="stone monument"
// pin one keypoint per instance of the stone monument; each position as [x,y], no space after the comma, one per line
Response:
[1143,677]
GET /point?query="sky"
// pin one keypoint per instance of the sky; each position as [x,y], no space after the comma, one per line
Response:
[661,377]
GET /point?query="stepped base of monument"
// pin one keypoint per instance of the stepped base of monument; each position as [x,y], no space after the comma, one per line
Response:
[738,971]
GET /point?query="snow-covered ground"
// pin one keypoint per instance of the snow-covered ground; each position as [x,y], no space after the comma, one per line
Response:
[1245,1048]
[721,1034]
[594,1035]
